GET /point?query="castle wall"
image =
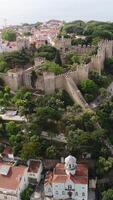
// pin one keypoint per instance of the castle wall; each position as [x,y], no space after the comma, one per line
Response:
[78,49]
[69,80]
[40,83]
[59,82]
[27,77]
[75,94]
[14,81]
[49,82]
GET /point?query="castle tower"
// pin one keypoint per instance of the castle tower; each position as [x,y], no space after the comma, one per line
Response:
[70,165]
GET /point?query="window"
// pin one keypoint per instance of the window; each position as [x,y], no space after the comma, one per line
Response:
[69,187]
[76,193]
[5,197]
[83,194]
[56,192]
[69,165]
[63,193]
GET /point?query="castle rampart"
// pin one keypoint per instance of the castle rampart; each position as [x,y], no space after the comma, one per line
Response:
[48,82]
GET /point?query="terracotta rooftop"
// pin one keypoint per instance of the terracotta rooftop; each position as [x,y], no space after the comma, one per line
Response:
[34,166]
[13,178]
[50,164]
[60,176]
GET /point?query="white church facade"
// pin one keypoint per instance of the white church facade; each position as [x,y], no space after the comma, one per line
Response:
[67,181]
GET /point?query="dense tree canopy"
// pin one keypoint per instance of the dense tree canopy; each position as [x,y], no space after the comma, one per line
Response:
[49,53]
[26,194]
[107,195]
[109,65]
[9,35]
[89,88]
[52,67]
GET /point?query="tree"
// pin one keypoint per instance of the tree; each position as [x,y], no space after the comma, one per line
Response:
[24,102]
[88,86]
[80,141]
[9,35]
[52,67]
[104,165]
[89,89]
[26,194]
[5,96]
[107,195]
[18,58]
[105,114]
[12,128]
[30,149]
[109,65]
[76,27]
[89,120]
[3,66]
[51,152]
[103,92]
[98,79]
[47,52]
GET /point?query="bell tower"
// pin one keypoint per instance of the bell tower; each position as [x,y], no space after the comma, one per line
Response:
[70,165]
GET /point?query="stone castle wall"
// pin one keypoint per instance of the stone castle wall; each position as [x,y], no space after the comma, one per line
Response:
[49,82]
[77,49]
[70,80]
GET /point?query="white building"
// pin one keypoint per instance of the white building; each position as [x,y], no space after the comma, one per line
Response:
[69,180]
[34,171]
[13,180]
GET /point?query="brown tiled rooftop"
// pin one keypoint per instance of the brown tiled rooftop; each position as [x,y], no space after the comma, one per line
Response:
[50,163]
[12,180]
[60,176]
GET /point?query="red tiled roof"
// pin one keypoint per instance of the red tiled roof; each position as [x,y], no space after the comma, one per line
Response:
[60,176]
[49,163]
[12,180]
[59,179]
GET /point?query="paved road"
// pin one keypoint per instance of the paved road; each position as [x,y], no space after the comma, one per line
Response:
[57,138]
[12,118]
